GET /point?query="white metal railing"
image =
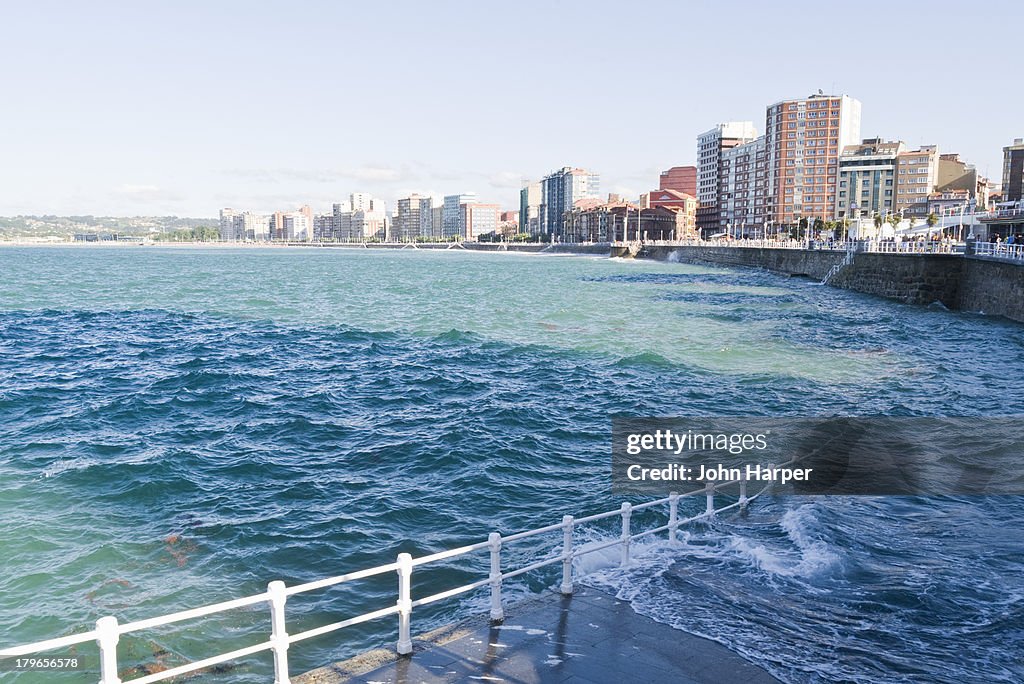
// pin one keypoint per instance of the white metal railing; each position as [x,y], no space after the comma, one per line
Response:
[911,247]
[999,249]
[108,631]
[882,246]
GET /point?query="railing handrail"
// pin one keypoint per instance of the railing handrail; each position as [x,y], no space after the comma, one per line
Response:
[1000,250]
[108,631]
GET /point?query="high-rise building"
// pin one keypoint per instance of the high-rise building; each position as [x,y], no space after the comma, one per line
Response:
[250,226]
[867,179]
[369,224]
[559,191]
[361,201]
[451,214]
[681,179]
[297,226]
[428,208]
[803,138]
[323,227]
[478,219]
[741,189]
[407,223]
[529,208]
[917,174]
[1013,171]
[227,224]
[437,219]
[710,146]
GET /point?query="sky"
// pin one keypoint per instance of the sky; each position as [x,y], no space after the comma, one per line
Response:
[181,108]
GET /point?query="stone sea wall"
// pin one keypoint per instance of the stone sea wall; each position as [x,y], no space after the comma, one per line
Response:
[966,283]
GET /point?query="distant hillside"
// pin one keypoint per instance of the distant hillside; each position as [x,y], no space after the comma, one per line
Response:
[64,226]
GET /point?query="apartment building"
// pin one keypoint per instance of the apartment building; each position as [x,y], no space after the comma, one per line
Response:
[559,191]
[741,189]
[1013,171]
[867,179]
[917,175]
[710,147]
[406,226]
[803,139]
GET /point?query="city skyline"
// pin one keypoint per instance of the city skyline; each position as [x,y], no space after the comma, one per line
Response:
[184,110]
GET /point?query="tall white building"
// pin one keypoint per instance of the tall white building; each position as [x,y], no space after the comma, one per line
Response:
[227,224]
[710,146]
[250,226]
[297,226]
[361,201]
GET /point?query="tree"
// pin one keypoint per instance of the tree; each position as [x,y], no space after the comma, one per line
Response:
[932,220]
[878,220]
[894,220]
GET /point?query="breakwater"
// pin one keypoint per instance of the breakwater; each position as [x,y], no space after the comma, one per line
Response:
[963,283]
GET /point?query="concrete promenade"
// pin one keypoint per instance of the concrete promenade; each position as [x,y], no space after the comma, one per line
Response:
[588,637]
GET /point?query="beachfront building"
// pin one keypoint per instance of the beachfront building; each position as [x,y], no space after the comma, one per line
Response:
[803,139]
[591,220]
[227,224]
[949,203]
[867,179]
[1013,172]
[559,192]
[252,226]
[246,225]
[681,179]
[452,215]
[741,189]
[371,224]
[686,206]
[296,226]
[710,146]
[917,175]
[407,224]
[430,218]
[478,219]
[529,208]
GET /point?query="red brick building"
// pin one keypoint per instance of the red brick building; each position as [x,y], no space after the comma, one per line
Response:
[681,179]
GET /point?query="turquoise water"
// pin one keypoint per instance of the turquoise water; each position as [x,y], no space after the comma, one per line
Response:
[182,426]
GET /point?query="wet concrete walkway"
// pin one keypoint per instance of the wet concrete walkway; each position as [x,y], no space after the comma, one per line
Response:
[589,637]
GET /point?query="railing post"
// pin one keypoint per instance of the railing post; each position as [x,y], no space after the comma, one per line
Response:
[710,491]
[497,612]
[743,493]
[673,518]
[107,637]
[404,646]
[567,525]
[278,632]
[627,510]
